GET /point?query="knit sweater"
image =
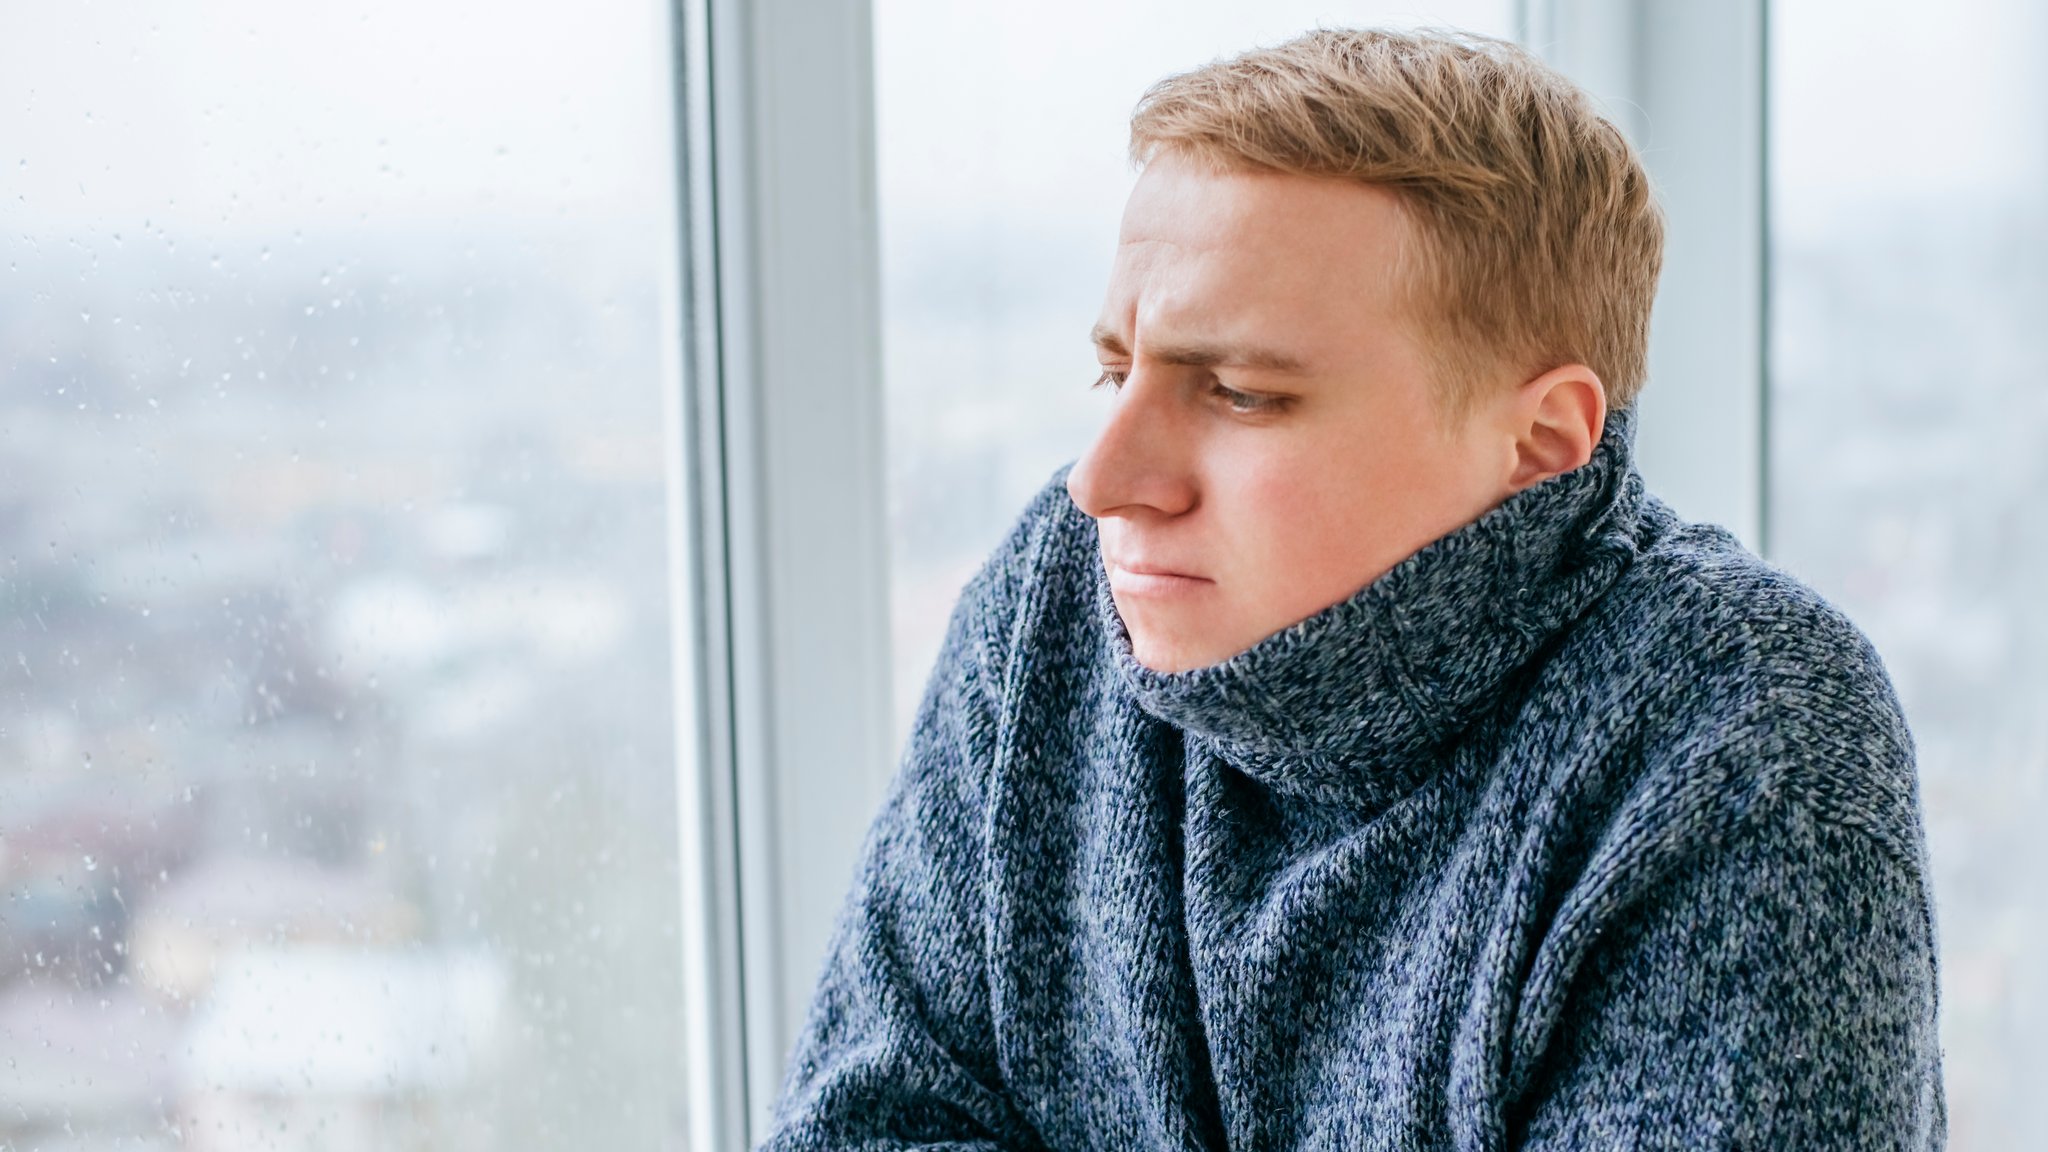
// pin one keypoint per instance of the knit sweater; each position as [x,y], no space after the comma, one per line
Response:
[1580,828]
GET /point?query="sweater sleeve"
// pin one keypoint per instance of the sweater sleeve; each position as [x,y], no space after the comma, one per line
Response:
[897,1050]
[1778,991]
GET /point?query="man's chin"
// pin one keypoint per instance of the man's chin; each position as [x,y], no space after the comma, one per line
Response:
[1167,651]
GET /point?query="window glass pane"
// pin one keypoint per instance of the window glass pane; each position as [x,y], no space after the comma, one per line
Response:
[1908,410]
[1001,140]
[337,781]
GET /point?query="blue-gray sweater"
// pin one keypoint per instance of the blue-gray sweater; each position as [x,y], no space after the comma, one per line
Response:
[1580,828]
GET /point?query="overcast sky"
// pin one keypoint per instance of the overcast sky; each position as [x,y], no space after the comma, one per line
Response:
[246,113]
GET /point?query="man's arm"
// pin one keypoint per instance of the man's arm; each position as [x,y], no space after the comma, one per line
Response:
[898,1049]
[1777,992]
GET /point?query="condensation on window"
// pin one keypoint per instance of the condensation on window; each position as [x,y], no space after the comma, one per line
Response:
[337,782]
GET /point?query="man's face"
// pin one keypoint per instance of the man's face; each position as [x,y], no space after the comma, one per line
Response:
[1276,441]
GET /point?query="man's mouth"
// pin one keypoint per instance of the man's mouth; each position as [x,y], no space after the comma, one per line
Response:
[1153,580]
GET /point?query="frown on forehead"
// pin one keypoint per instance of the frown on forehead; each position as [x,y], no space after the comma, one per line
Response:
[1244,255]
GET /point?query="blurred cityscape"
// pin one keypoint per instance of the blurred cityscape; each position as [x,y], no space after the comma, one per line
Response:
[337,779]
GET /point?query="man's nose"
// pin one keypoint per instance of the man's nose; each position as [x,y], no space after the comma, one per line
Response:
[1141,459]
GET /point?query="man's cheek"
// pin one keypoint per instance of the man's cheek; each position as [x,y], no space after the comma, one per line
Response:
[1283,514]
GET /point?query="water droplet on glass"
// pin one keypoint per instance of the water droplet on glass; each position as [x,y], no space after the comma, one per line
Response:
[91,865]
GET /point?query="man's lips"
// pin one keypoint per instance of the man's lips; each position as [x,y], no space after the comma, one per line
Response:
[1138,578]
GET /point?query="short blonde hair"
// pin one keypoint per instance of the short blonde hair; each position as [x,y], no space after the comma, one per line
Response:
[1540,239]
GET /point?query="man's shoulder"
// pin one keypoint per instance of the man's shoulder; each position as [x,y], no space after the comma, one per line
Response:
[1731,662]
[1701,603]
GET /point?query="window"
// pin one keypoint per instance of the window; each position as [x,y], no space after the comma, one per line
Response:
[338,779]
[1909,275]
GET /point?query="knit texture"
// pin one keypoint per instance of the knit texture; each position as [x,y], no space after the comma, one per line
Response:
[1580,828]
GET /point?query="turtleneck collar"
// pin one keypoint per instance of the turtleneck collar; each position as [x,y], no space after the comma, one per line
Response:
[1351,697]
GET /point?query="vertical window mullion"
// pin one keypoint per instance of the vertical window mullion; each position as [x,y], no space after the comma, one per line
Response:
[798,369]
[1686,81]
[709,870]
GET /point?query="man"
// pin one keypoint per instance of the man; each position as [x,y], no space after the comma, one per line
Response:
[1348,753]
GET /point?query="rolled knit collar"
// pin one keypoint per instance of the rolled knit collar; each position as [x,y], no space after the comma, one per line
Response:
[1346,703]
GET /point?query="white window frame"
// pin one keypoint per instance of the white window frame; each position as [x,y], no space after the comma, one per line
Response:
[783,497]
[786,502]
[1686,80]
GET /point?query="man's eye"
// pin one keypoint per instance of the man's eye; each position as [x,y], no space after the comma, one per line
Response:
[1245,401]
[1110,379]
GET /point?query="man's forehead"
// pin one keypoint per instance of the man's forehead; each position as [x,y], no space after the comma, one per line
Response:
[1175,196]
[1313,303]
[1175,206]
[1203,309]
[1258,233]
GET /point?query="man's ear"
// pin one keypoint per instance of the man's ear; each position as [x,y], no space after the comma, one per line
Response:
[1558,418]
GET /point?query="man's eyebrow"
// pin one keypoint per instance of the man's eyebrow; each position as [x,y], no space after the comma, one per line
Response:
[1203,355]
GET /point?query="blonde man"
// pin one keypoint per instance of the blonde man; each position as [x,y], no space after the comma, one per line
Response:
[1347,752]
